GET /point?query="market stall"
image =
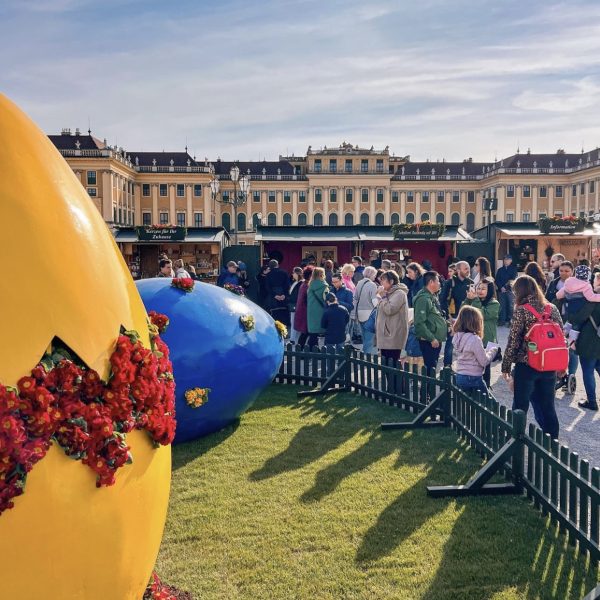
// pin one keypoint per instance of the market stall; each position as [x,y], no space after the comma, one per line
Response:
[526,241]
[201,247]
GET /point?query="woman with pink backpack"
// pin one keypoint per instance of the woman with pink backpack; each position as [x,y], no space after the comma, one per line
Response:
[538,349]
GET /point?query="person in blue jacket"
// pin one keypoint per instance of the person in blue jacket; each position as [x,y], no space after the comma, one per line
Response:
[343,294]
[334,321]
[229,275]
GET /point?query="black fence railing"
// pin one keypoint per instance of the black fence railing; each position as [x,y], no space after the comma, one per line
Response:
[558,481]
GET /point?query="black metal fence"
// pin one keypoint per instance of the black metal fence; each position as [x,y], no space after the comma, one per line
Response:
[558,482]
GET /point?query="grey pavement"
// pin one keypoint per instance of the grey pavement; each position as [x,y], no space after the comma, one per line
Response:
[579,428]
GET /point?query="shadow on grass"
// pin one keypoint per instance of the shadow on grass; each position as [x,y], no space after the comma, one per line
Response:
[188,451]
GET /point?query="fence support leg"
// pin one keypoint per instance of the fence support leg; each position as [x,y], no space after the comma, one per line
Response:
[341,375]
[478,485]
[438,406]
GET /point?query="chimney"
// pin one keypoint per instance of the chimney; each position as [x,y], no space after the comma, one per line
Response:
[77,131]
[66,131]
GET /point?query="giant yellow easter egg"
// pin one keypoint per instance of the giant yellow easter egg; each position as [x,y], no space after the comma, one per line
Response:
[63,277]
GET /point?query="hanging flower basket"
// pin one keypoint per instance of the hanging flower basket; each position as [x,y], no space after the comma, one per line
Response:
[549,225]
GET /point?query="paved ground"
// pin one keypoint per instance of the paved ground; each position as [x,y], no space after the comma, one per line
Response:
[579,429]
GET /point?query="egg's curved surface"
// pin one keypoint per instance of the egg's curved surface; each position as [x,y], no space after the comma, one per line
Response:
[210,349]
[66,539]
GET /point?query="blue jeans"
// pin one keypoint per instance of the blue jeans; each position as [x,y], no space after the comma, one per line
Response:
[589,368]
[507,305]
[448,349]
[368,341]
[471,382]
[573,362]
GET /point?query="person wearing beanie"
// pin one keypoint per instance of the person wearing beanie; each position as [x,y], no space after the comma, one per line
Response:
[575,293]
[334,321]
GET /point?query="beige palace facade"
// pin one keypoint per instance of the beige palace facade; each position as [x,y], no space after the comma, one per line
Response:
[341,186]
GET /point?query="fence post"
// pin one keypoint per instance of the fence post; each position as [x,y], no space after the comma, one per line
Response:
[519,419]
[348,367]
[445,406]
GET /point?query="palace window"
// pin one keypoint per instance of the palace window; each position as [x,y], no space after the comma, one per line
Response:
[180,219]
[146,218]
[226,221]
[287,219]
[526,191]
[318,219]
[301,196]
[197,219]
[91,177]
[510,217]
[441,196]
[332,165]
[197,189]
[510,191]
[333,220]
[225,196]
[558,191]
[348,165]
[364,195]
[318,195]
[440,218]
[410,218]
[349,195]
[92,192]
[455,219]
[145,189]
[582,188]
[526,217]
[180,190]
[592,186]
[302,219]
[424,217]
[287,196]
[271,219]
[542,215]
[543,191]
[395,218]
[574,190]
[379,195]
[162,189]
[379,219]
[164,218]
[425,197]
[317,165]
[395,196]
[364,219]
[455,197]
[410,196]
[272,196]
[241,222]
[348,220]
[364,165]
[379,165]
[332,195]
[470,221]
[471,196]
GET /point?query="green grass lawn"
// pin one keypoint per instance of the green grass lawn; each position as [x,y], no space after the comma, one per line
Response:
[307,498]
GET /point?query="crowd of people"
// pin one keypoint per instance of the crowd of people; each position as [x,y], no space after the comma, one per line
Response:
[413,314]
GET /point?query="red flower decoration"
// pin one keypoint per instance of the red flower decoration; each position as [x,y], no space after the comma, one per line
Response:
[161,321]
[183,283]
[69,404]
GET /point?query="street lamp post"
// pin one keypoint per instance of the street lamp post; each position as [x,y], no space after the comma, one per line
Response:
[241,188]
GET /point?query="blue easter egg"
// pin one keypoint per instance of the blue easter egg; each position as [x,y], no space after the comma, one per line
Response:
[209,348]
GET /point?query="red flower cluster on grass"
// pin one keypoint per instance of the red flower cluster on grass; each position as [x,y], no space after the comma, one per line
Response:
[68,403]
[183,283]
[157,590]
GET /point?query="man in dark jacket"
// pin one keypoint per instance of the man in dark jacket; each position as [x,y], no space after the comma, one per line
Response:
[564,272]
[334,321]
[452,296]
[357,261]
[343,294]
[507,272]
[278,287]
[229,275]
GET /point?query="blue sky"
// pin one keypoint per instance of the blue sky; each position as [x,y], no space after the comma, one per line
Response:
[252,80]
